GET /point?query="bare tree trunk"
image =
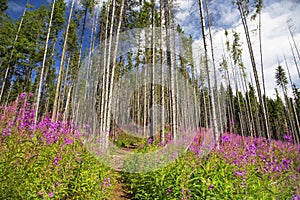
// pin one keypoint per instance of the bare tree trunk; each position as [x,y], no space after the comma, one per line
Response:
[202,92]
[145,104]
[90,63]
[152,96]
[240,114]
[169,35]
[104,80]
[230,103]
[262,68]
[248,111]
[105,114]
[296,120]
[257,121]
[261,101]
[227,77]
[294,58]
[212,100]
[45,89]
[66,110]
[214,67]
[162,75]
[290,25]
[112,74]
[58,85]
[82,36]
[43,65]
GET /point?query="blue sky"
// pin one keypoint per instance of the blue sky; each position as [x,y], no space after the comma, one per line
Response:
[16,7]
[274,30]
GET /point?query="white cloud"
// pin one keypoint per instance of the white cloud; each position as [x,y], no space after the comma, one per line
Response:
[184,4]
[223,13]
[183,9]
[274,37]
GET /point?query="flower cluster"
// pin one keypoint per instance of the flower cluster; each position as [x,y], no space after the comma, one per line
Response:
[45,158]
[105,183]
[18,118]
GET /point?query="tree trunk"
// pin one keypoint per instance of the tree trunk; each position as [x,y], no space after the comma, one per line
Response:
[162,136]
[152,96]
[214,68]
[212,98]
[262,68]
[104,80]
[294,58]
[108,123]
[261,101]
[290,25]
[43,66]
[58,85]
[108,71]
[296,120]
[169,35]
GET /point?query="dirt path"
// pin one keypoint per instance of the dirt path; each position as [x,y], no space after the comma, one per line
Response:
[119,158]
[121,192]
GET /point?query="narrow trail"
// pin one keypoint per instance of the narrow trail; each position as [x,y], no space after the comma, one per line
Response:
[121,191]
[119,158]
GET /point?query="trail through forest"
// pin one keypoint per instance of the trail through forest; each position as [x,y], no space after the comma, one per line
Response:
[121,191]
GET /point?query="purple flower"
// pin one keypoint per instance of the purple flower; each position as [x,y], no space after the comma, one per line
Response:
[192,148]
[10,124]
[106,182]
[251,150]
[22,96]
[168,191]
[51,194]
[150,140]
[296,197]
[288,138]
[211,187]
[237,173]
[285,163]
[198,151]
[298,169]
[6,132]
[225,138]
[55,161]
[56,184]
[68,141]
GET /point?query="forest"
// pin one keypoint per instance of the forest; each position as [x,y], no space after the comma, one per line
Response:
[110,99]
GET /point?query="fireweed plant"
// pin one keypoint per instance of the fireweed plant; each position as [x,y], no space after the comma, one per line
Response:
[243,168]
[46,160]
